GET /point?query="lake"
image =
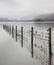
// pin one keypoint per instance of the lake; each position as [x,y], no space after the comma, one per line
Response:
[41,48]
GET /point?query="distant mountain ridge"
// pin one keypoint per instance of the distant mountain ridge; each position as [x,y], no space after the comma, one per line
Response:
[8,20]
[45,17]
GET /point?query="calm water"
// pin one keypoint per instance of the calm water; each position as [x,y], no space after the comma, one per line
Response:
[42,58]
[29,24]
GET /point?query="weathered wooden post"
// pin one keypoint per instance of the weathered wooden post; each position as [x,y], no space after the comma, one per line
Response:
[21,36]
[16,32]
[12,31]
[32,41]
[50,52]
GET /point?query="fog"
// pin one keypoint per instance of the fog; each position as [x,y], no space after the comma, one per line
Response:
[20,9]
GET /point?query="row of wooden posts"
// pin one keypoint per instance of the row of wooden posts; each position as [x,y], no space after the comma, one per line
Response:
[10,29]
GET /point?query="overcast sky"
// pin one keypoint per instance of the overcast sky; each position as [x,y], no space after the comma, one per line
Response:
[21,8]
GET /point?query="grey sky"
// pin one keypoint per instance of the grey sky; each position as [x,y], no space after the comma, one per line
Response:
[22,8]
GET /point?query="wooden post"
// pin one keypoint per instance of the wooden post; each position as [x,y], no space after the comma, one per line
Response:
[16,32]
[50,52]
[21,36]
[12,31]
[32,41]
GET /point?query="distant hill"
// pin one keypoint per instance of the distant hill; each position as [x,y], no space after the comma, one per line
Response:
[8,20]
[45,17]
[13,20]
